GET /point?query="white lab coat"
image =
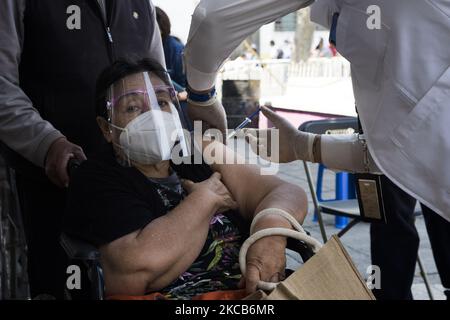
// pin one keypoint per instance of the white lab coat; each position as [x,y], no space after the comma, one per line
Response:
[401,80]
[401,77]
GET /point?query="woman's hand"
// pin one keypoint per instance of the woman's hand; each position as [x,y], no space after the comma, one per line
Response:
[213,189]
[266,258]
[266,261]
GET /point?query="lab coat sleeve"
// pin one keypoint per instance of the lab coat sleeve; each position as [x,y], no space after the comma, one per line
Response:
[21,126]
[219,26]
[345,152]
[322,12]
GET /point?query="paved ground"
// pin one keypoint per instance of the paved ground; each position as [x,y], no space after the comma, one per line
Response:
[357,241]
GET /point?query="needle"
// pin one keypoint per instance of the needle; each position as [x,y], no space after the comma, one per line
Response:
[244,123]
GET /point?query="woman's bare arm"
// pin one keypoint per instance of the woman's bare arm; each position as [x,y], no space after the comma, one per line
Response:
[153,257]
[253,191]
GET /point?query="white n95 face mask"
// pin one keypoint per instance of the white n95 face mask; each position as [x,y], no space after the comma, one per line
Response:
[149,138]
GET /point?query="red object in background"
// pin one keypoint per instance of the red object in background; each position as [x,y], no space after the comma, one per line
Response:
[333,50]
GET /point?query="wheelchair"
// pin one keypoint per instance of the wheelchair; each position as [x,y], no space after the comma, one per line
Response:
[87,257]
[13,246]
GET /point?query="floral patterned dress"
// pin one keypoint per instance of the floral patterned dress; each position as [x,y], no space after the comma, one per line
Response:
[217,266]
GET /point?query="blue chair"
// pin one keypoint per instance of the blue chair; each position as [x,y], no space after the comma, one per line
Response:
[345,190]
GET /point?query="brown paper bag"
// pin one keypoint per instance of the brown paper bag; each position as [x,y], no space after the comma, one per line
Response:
[329,275]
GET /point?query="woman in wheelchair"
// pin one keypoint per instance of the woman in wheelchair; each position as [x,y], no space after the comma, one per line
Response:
[165,226]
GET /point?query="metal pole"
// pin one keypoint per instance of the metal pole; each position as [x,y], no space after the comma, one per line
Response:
[316,203]
[425,277]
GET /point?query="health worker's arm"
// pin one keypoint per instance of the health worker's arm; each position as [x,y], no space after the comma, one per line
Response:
[219,26]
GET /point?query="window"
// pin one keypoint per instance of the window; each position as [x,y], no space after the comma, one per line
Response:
[287,23]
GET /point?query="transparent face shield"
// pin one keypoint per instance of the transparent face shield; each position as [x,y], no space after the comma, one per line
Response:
[145,118]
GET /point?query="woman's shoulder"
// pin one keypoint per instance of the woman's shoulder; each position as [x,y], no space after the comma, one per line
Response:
[95,165]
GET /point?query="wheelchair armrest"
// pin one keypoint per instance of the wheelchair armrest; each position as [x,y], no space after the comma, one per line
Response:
[93,285]
[78,249]
[301,248]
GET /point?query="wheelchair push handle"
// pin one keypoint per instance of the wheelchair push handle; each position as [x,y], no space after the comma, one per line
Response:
[73,165]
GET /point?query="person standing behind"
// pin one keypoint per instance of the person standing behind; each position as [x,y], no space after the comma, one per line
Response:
[173,49]
[173,53]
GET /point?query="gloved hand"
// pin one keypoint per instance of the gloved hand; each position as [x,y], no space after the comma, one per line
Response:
[290,146]
[213,115]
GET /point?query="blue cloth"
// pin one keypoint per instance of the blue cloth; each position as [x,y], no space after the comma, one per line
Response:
[333,30]
[173,53]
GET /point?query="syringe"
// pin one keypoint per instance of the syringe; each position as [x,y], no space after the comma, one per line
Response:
[244,123]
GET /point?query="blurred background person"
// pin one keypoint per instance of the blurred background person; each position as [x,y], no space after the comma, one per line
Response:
[173,53]
[287,49]
[323,51]
[275,52]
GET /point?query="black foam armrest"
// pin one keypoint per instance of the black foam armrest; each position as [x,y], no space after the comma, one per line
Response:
[78,249]
[300,247]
